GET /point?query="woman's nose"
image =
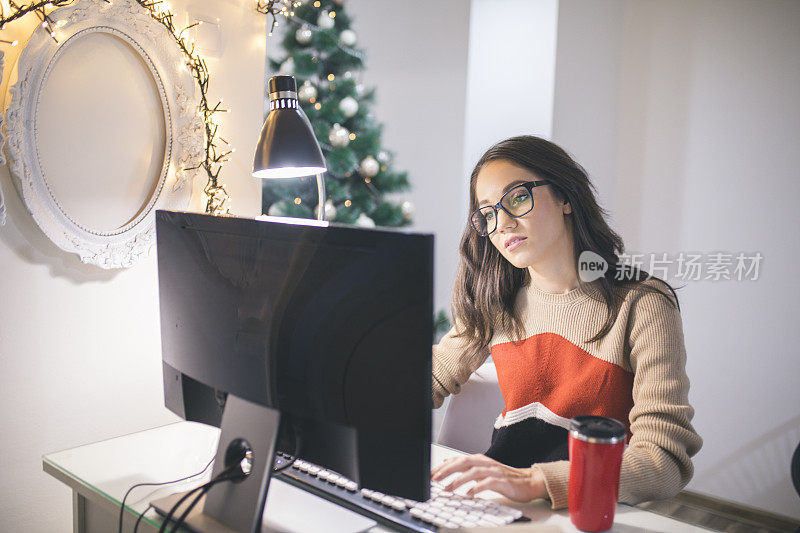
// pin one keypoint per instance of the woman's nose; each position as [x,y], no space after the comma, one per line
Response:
[504,220]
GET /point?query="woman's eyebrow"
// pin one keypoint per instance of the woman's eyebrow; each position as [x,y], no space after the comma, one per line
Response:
[505,190]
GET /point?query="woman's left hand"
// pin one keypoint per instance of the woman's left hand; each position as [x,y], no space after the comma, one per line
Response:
[517,484]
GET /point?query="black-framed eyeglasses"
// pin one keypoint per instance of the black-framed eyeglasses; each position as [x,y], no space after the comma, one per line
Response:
[516,202]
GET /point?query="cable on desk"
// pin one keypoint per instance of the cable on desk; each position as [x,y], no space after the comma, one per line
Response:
[122,505]
[231,473]
[141,515]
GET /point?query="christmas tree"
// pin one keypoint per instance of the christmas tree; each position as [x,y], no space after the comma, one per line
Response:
[319,49]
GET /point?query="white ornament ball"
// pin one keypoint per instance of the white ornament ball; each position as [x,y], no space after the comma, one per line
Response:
[364,221]
[330,210]
[348,106]
[360,90]
[384,157]
[303,35]
[408,210]
[369,167]
[277,209]
[325,21]
[287,67]
[348,38]
[348,75]
[306,92]
[339,136]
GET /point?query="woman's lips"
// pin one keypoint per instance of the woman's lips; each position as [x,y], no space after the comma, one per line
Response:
[514,243]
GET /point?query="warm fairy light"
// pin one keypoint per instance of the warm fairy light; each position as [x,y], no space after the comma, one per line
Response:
[298,201]
[352,136]
[367,180]
[383,167]
[332,14]
[331,77]
[317,106]
[312,100]
[348,203]
[317,4]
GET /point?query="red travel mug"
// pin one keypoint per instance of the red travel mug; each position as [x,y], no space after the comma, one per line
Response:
[595,455]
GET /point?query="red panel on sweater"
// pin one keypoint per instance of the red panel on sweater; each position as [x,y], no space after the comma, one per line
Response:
[549,369]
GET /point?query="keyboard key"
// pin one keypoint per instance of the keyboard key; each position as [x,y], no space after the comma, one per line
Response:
[351,486]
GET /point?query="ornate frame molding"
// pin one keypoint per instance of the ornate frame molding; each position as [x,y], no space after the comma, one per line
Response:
[129,21]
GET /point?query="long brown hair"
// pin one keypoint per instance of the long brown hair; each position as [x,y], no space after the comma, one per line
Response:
[487,284]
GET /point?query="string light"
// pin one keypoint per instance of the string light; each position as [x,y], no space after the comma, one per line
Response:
[275,8]
[218,199]
[298,201]
[331,77]
[352,136]
[348,203]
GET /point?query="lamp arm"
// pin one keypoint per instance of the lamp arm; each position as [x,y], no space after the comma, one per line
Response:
[321,194]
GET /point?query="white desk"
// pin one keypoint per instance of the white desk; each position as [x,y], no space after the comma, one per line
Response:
[99,474]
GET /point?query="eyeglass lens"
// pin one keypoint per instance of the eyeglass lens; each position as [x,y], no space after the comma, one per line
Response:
[516,202]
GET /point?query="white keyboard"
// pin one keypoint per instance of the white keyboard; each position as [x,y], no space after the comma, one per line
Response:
[444,509]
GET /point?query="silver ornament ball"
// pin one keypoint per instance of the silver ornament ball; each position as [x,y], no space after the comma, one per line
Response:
[348,38]
[325,21]
[339,136]
[348,106]
[330,210]
[307,92]
[407,209]
[369,167]
[303,35]
[287,67]
[364,221]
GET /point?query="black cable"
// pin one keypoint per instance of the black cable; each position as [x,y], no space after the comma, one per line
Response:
[141,515]
[204,490]
[222,476]
[122,505]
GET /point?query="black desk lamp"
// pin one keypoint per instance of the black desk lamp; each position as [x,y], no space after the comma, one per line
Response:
[287,147]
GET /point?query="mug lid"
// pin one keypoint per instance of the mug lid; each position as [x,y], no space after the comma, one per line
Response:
[598,428]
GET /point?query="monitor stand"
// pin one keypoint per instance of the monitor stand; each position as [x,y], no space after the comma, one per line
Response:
[235,505]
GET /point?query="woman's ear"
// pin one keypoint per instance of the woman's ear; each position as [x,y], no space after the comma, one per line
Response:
[567,208]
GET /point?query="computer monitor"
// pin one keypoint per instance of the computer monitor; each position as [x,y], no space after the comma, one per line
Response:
[330,326]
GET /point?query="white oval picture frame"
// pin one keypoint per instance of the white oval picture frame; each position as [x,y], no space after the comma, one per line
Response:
[121,246]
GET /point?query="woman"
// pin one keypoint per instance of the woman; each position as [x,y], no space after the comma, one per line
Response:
[609,346]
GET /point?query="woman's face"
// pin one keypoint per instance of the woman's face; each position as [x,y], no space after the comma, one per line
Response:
[534,237]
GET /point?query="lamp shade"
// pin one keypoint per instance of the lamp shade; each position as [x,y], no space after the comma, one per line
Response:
[287,147]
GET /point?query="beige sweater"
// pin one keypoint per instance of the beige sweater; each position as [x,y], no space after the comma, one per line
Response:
[636,374]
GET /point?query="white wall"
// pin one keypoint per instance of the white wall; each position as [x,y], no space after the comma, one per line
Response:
[512,54]
[688,116]
[417,62]
[80,355]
